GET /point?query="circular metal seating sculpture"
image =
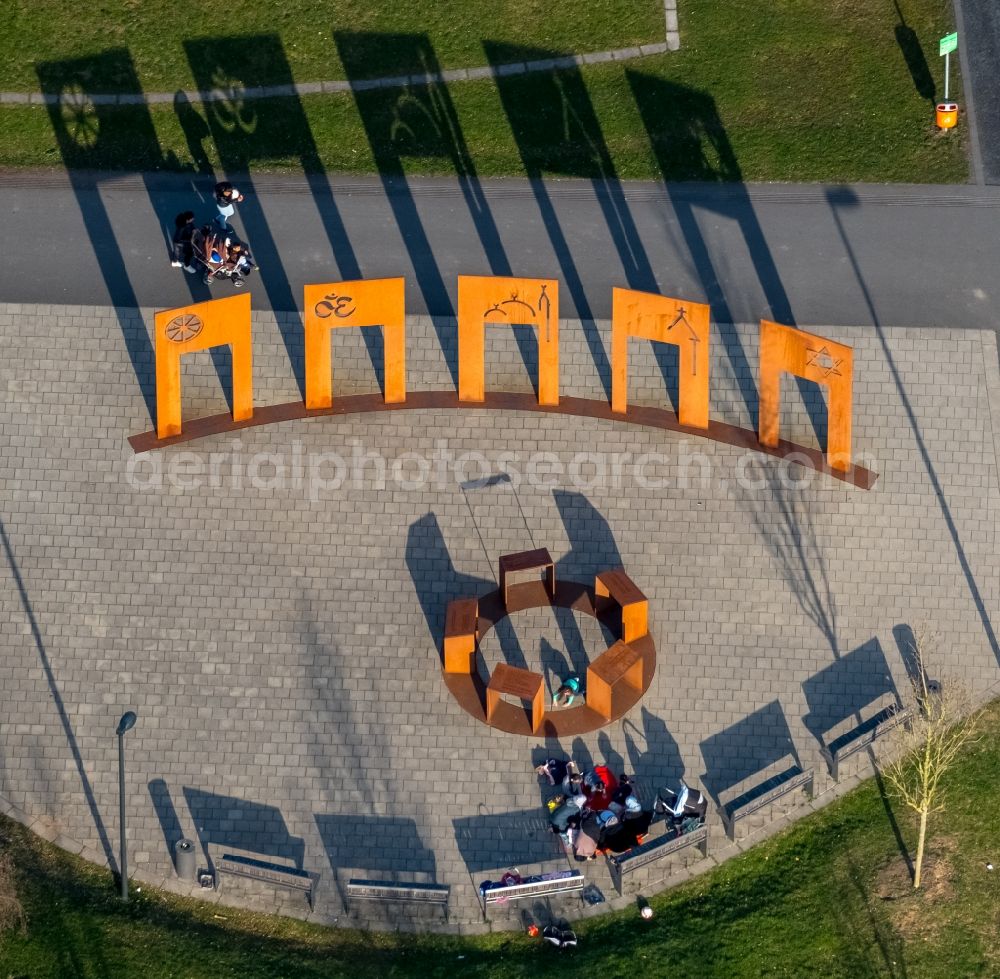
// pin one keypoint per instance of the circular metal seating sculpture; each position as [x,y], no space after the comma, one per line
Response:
[616,680]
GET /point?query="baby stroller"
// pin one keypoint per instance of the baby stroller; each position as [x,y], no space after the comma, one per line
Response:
[222,254]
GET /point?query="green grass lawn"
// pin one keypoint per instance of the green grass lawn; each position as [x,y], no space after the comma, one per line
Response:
[789,90]
[154,33]
[827,898]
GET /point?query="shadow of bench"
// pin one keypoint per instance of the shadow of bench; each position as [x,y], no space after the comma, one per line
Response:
[762,795]
[863,736]
[649,852]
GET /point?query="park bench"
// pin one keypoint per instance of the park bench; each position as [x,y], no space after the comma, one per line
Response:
[557,882]
[653,850]
[863,736]
[615,588]
[763,795]
[271,873]
[359,889]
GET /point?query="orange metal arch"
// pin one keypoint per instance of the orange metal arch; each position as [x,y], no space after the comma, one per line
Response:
[369,302]
[218,322]
[648,316]
[785,349]
[484,299]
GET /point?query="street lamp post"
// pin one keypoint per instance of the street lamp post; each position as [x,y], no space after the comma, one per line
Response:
[125,725]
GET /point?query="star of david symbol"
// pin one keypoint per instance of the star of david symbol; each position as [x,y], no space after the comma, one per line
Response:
[823,360]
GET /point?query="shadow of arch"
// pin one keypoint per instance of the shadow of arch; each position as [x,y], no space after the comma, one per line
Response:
[555,126]
[273,129]
[416,121]
[690,144]
[94,136]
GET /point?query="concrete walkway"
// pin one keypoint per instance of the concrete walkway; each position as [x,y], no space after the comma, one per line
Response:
[276,628]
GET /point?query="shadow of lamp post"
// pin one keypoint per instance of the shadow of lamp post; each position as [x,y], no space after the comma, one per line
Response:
[125,725]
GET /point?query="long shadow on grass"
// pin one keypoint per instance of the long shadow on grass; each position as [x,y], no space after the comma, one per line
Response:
[913,55]
[416,119]
[246,131]
[50,679]
[690,144]
[558,133]
[95,138]
[862,926]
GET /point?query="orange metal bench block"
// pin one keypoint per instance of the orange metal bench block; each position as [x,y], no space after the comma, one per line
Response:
[515,682]
[620,663]
[460,635]
[618,587]
[537,560]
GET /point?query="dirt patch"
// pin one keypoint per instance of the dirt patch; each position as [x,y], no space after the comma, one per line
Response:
[913,913]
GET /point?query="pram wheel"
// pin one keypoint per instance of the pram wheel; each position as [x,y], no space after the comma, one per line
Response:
[207,280]
[238,283]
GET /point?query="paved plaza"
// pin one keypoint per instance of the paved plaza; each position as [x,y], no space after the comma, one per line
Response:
[271,603]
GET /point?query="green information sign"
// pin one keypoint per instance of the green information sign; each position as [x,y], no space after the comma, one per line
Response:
[948,44]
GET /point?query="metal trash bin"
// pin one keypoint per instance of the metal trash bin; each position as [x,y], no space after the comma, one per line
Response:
[186,860]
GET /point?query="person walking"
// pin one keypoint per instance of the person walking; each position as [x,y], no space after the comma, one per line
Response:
[226,197]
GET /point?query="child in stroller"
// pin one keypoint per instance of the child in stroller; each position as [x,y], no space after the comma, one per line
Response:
[222,254]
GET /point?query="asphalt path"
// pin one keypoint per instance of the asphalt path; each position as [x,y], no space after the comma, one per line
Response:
[807,254]
[979,36]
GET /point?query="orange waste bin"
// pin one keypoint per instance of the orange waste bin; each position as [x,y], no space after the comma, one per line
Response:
[947,115]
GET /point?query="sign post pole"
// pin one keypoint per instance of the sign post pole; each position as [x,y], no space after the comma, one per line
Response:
[947,111]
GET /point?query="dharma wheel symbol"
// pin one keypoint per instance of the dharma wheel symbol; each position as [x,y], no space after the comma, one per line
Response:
[184,327]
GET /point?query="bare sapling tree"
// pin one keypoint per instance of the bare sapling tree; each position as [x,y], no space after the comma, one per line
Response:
[942,722]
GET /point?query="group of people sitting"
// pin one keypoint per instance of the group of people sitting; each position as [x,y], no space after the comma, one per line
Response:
[215,247]
[594,812]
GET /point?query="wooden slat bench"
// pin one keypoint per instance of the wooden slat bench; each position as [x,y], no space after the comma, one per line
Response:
[653,850]
[763,795]
[863,736]
[559,882]
[360,889]
[618,588]
[271,873]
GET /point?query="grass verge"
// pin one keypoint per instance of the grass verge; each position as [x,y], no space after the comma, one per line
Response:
[827,898]
[793,90]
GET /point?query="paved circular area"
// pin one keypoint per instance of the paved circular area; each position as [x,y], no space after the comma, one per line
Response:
[275,625]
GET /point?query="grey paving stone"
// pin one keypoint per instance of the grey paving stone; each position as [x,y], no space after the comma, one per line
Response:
[281,650]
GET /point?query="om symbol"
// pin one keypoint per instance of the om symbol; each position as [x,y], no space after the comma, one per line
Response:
[334,305]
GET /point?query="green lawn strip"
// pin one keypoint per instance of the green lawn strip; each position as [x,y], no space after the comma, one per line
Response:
[789,91]
[154,31]
[808,902]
